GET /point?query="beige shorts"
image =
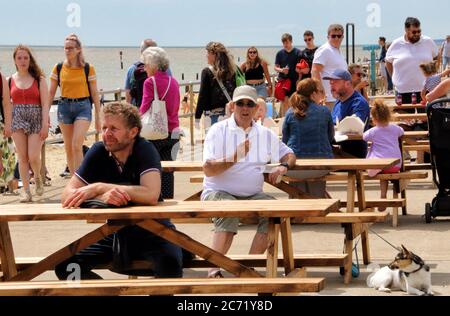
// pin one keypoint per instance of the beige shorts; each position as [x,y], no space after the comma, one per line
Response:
[230,224]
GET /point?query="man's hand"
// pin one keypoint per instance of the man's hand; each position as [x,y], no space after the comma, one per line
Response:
[116,196]
[78,196]
[276,174]
[242,150]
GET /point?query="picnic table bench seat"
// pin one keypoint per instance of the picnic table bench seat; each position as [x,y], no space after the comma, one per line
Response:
[162,286]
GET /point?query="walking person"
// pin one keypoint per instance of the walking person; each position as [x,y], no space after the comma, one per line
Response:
[78,84]
[309,51]
[216,86]
[156,64]
[257,73]
[30,113]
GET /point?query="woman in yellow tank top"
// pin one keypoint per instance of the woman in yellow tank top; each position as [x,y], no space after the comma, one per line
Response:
[74,106]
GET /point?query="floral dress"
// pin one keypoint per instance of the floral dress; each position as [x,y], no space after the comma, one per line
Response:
[8,158]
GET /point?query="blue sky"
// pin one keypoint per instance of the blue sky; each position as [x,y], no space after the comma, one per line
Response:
[196,22]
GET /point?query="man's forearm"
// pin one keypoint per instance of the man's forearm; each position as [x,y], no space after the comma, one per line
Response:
[139,194]
[291,159]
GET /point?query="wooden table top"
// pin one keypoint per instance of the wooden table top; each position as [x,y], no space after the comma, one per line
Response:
[412,116]
[174,209]
[301,164]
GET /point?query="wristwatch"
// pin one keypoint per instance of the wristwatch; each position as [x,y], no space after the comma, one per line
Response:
[285,164]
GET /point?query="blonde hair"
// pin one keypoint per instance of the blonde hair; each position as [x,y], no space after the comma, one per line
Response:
[223,65]
[74,38]
[128,112]
[429,68]
[380,112]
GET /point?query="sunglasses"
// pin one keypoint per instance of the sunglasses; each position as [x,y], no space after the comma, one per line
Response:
[252,52]
[336,36]
[416,32]
[308,39]
[249,104]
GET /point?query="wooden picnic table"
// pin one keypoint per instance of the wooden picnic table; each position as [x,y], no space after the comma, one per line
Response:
[278,212]
[408,116]
[353,166]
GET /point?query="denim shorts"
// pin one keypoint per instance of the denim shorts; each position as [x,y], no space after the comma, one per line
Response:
[69,112]
[261,89]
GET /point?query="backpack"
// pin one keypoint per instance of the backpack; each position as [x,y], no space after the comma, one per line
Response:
[239,77]
[86,73]
[137,83]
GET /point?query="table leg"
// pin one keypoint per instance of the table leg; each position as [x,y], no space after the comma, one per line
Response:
[365,246]
[272,248]
[361,191]
[351,192]
[286,243]
[186,242]
[7,252]
[348,267]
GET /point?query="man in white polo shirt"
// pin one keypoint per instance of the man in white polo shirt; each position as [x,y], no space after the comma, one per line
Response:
[328,58]
[405,55]
[236,152]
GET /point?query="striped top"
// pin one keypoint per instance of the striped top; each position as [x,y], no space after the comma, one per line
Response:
[432,82]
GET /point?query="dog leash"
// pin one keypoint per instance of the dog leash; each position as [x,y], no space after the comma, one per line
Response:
[396,248]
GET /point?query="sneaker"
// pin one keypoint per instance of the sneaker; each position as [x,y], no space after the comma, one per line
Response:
[39,186]
[25,196]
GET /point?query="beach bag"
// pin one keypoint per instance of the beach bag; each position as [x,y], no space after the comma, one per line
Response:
[281,88]
[155,124]
[239,77]
[137,83]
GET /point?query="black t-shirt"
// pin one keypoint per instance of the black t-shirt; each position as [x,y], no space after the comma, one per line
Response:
[290,59]
[308,55]
[100,166]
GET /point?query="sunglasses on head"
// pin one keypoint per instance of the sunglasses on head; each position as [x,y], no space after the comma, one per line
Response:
[336,35]
[308,39]
[249,104]
[253,52]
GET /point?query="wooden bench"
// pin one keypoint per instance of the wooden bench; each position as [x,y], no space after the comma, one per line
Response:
[399,181]
[417,166]
[162,286]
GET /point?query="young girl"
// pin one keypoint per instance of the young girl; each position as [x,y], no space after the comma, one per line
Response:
[30,108]
[385,144]
[433,79]
[74,106]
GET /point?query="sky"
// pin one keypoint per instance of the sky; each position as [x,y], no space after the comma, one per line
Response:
[181,23]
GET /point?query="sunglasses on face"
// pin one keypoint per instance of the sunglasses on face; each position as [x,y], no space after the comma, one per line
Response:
[308,39]
[336,36]
[252,52]
[249,104]
[416,32]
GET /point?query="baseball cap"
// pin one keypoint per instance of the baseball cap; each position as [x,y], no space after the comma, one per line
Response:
[339,74]
[302,64]
[245,92]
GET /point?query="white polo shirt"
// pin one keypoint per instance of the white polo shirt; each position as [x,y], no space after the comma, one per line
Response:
[331,59]
[406,59]
[244,178]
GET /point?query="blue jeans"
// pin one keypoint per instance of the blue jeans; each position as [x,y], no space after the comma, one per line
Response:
[69,112]
[164,257]
[261,89]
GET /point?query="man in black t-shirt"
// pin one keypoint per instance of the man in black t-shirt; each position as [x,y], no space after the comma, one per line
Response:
[123,169]
[285,63]
[309,51]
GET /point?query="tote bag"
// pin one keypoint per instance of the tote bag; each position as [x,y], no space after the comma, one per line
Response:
[154,122]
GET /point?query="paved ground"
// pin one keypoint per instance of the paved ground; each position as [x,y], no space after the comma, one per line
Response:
[430,241]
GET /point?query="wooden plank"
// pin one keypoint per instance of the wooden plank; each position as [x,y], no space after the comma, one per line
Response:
[297,273]
[287,247]
[417,147]
[361,192]
[348,246]
[351,188]
[398,202]
[173,209]
[7,252]
[180,239]
[255,261]
[418,166]
[162,286]
[365,246]
[272,249]
[64,253]
[412,116]
[347,218]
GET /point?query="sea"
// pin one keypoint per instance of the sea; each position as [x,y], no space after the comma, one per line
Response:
[111,63]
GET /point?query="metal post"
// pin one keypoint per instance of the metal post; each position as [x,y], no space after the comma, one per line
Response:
[347,41]
[191,110]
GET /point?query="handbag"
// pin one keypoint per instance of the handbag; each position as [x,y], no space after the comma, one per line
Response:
[155,124]
[282,87]
[239,77]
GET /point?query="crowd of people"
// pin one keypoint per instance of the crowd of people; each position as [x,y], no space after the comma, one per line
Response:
[316,88]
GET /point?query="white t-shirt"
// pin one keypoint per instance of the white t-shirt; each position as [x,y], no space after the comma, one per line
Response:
[406,58]
[245,178]
[331,59]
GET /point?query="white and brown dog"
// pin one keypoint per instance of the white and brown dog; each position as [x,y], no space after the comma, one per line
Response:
[408,272]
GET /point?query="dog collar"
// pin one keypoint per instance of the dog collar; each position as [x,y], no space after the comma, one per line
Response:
[417,270]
